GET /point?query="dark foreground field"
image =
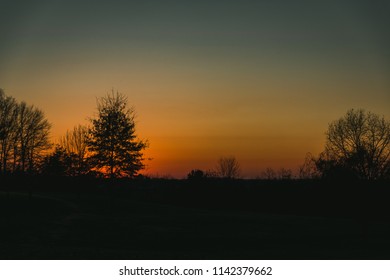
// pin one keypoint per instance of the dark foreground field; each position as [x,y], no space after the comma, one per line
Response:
[192,220]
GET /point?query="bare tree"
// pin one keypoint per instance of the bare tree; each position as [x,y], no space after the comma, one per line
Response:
[32,137]
[280,174]
[211,173]
[228,167]
[284,174]
[24,135]
[74,143]
[268,174]
[359,142]
[8,118]
[308,169]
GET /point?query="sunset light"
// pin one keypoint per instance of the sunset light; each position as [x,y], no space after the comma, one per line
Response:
[257,80]
[139,136]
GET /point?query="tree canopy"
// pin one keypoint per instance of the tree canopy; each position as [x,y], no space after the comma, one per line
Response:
[113,144]
[357,145]
[24,135]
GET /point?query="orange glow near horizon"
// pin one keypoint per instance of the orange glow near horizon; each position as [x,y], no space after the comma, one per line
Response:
[192,127]
[253,79]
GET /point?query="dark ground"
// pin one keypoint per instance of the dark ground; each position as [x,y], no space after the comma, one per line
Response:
[64,218]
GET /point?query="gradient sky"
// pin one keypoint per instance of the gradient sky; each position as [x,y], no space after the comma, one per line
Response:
[259,80]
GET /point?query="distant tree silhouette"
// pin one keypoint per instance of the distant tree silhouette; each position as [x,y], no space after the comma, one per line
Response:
[309,170]
[280,174]
[113,144]
[58,163]
[211,173]
[196,174]
[357,145]
[24,135]
[228,167]
[268,174]
[74,143]
[284,174]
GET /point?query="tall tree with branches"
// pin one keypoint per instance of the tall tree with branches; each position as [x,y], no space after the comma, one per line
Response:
[32,137]
[115,149]
[24,135]
[74,144]
[357,144]
[8,129]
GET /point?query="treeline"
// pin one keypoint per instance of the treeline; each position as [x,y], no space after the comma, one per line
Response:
[24,136]
[108,147]
[357,146]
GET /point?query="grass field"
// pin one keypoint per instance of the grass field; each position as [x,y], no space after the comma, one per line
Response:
[102,225]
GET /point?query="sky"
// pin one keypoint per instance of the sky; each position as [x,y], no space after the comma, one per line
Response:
[257,80]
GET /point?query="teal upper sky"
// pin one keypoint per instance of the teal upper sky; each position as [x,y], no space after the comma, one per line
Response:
[327,27]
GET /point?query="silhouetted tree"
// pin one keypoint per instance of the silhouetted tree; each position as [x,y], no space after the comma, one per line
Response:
[196,174]
[357,145]
[8,129]
[309,170]
[280,174]
[211,173]
[32,137]
[268,174]
[58,163]
[284,174]
[114,147]
[74,143]
[228,167]
[24,135]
